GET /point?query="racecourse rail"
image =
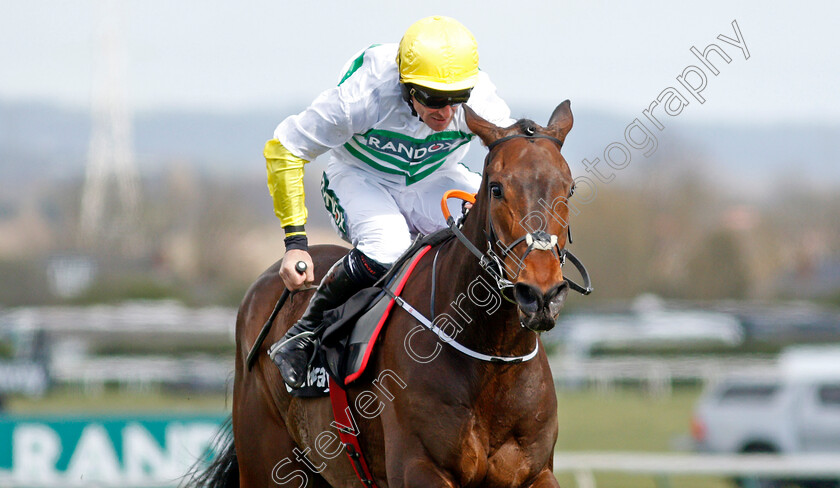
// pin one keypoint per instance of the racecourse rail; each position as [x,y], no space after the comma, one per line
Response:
[662,466]
[72,331]
[656,374]
[584,465]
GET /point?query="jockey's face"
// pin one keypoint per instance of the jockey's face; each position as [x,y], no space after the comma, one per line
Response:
[437,119]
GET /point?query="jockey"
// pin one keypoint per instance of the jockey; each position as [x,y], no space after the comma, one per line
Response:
[394,132]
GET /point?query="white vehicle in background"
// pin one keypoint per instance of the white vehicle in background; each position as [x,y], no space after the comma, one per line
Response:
[792,410]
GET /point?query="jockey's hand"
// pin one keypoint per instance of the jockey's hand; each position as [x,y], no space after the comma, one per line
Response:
[291,277]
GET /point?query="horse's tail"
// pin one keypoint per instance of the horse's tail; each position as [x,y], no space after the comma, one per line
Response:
[223,471]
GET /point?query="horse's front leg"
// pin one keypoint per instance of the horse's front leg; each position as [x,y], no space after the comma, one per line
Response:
[545,479]
[418,473]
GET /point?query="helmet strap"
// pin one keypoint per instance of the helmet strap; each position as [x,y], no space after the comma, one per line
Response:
[405,88]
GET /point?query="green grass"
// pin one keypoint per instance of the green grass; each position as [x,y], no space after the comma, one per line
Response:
[617,480]
[623,420]
[628,420]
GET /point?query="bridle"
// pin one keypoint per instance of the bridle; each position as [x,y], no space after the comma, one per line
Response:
[536,241]
[493,265]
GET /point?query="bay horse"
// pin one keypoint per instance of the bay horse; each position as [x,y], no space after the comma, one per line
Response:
[434,416]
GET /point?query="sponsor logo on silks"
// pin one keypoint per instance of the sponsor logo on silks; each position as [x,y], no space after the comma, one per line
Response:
[395,153]
[412,152]
[333,207]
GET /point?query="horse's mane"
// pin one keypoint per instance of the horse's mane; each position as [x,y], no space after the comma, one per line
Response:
[526,126]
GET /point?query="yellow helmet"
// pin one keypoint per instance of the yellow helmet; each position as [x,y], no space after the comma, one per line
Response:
[438,53]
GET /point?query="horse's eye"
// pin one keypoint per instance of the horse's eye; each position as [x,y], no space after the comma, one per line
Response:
[496,190]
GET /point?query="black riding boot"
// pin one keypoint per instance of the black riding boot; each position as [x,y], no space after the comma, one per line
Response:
[295,350]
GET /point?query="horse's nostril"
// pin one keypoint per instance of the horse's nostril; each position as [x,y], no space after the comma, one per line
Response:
[529,298]
[556,298]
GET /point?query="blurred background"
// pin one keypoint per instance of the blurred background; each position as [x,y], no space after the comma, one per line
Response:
[134,215]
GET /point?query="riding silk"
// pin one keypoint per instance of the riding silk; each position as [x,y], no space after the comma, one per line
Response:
[380,217]
[364,122]
[385,168]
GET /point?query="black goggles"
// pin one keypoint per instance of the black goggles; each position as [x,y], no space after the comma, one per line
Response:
[439,99]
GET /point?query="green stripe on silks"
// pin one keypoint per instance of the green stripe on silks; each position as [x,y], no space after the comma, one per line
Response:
[357,63]
[355,152]
[409,179]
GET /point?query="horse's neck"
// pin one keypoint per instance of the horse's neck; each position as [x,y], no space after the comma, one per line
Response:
[487,323]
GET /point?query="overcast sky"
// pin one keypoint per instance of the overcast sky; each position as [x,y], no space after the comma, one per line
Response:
[222,56]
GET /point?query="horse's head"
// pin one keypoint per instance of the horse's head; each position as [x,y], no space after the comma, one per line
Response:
[524,194]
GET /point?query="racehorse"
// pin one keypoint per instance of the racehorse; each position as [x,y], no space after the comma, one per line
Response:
[434,416]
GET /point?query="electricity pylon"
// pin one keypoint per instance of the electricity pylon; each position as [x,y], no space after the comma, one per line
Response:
[111,197]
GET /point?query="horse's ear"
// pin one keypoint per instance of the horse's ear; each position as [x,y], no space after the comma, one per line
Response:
[561,120]
[486,131]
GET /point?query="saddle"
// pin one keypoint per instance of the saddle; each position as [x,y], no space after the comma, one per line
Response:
[352,330]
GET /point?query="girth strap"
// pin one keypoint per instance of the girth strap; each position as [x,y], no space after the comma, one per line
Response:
[349,437]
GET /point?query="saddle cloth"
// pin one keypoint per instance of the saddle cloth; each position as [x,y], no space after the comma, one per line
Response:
[351,330]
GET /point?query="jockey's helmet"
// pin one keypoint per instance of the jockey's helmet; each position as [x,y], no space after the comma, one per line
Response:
[438,54]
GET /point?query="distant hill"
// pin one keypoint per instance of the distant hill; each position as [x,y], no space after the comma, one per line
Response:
[39,140]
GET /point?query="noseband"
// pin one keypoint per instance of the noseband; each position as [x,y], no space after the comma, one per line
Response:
[536,241]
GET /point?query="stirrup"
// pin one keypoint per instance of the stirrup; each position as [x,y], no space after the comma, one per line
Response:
[272,351]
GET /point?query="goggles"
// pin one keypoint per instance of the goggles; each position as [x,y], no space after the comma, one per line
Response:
[438,99]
